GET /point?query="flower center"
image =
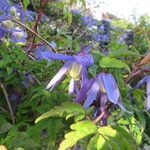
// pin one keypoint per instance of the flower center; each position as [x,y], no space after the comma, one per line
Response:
[75,70]
[101,85]
[102,89]
[13,10]
[18,34]
[7,24]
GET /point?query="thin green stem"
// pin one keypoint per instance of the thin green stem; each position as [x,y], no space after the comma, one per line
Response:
[26,27]
[8,102]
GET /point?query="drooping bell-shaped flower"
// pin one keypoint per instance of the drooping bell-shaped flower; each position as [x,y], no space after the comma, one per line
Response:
[127,37]
[3,31]
[142,81]
[75,67]
[8,11]
[104,84]
[89,21]
[103,89]
[18,36]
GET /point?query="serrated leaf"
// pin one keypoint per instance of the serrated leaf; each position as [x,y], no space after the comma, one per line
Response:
[124,133]
[116,138]
[81,130]
[84,126]
[108,131]
[107,62]
[51,128]
[123,52]
[115,144]
[54,125]
[24,141]
[70,108]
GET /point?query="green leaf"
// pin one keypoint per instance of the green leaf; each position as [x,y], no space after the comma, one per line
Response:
[119,50]
[107,62]
[123,52]
[102,143]
[5,61]
[51,126]
[70,108]
[93,142]
[22,140]
[108,131]
[81,130]
[5,127]
[124,133]
[25,3]
[68,15]
[79,117]
[116,138]
[93,70]
[84,126]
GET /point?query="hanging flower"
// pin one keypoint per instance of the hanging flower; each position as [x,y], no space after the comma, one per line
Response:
[75,67]
[18,36]
[102,89]
[89,21]
[142,81]
[127,37]
[16,11]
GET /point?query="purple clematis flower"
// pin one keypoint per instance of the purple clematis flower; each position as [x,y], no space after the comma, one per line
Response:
[105,85]
[11,11]
[42,52]
[4,3]
[100,38]
[101,89]
[76,11]
[89,21]
[18,36]
[75,67]
[7,11]
[147,80]
[127,37]
[16,11]
[3,31]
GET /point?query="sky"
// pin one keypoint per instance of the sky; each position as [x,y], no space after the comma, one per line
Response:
[120,8]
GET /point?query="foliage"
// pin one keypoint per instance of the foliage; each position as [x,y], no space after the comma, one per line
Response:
[106,63]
